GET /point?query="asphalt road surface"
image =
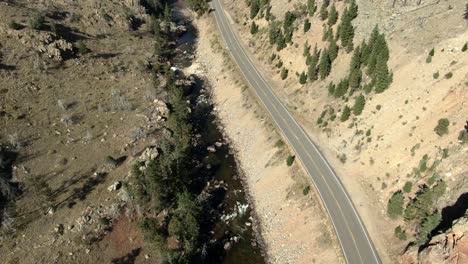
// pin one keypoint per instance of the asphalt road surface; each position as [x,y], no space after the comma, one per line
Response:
[352,235]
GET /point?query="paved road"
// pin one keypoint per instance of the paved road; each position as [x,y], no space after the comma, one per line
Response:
[352,235]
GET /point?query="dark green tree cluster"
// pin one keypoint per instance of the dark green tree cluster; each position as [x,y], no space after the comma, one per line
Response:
[257,7]
[395,205]
[284,73]
[199,6]
[325,64]
[276,36]
[165,183]
[442,127]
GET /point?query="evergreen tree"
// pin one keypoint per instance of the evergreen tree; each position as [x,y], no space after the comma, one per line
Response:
[381,76]
[323,12]
[331,88]
[359,105]
[346,29]
[356,59]
[254,8]
[355,78]
[303,78]
[326,3]
[306,52]
[284,73]
[280,42]
[325,64]
[353,9]
[311,7]
[333,16]
[465,47]
[274,33]
[312,71]
[341,88]
[431,53]
[332,50]
[307,25]
[253,28]
[346,113]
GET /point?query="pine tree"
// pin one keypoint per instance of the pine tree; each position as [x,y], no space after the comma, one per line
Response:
[312,71]
[284,73]
[355,78]
[346,113]
[356,59]
[341,88]
[333,16]
[254,8]
[311,7]
[280,42]
[253,28]
[346,29]
[303,78]
[353,9]
[307,25]
[332,50]
[323,12]
[381,76]
[359,105]
[331,88]
[465,47]
[325,64]
[307,47]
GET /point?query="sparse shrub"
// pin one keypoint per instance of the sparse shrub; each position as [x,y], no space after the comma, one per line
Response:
[442,127]
[395,205]
[407,187]
[82,48]
[290,160]
[436,75]
[37,21]
[306,190]
[448,75]
[343,158]
[400,233]
[14,25]
[463,136]
[428,59]
[279,143]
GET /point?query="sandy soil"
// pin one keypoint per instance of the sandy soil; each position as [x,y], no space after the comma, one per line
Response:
[292,224]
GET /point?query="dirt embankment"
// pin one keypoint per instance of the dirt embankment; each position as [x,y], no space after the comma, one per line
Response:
[293,224]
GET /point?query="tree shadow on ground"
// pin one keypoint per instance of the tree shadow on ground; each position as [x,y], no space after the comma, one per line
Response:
[129,258]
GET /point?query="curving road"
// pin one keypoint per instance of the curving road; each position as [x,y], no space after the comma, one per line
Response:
[352,235]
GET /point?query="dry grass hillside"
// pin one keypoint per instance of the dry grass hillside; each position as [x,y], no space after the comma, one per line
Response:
[394,141]
[76,105]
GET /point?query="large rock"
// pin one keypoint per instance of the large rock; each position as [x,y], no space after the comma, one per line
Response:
[450,247]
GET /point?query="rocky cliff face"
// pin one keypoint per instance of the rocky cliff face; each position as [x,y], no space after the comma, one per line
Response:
[450,247]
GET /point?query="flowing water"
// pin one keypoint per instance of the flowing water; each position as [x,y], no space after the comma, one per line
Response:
[228,233]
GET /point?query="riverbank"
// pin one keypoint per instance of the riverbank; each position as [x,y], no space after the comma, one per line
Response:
[292,222]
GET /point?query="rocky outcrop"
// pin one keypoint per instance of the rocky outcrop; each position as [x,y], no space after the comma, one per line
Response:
[450,247]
